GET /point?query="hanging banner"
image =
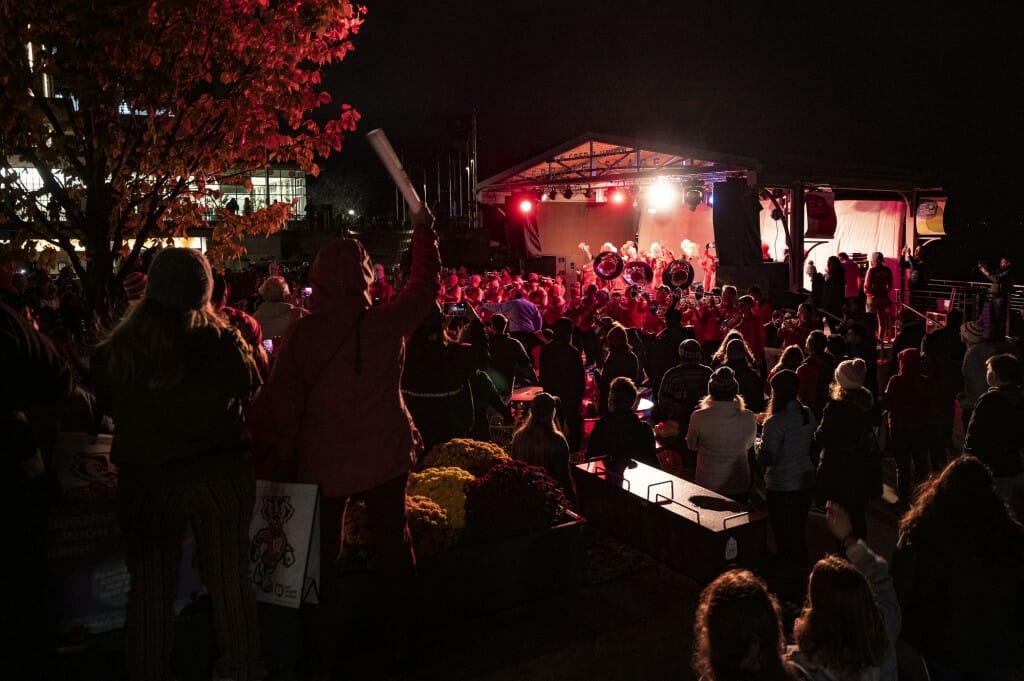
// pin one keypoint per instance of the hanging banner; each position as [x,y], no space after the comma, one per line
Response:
[821,215]
[930,213]
[284,546]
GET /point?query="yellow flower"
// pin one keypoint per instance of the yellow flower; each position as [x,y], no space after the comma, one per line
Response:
[445,486]
[472,455]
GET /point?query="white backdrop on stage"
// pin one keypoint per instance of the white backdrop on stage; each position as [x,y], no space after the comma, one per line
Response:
[863,227]
[671,228]
[564,224]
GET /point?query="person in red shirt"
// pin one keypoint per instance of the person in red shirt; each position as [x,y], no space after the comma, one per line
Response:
[381,291]
[451,292]
[752,329]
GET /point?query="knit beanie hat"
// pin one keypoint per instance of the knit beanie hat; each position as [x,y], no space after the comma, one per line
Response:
[723,385]
[973,331]
[850,373]
[689,349]
[180,277]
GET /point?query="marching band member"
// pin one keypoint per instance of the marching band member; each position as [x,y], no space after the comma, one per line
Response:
[451,292]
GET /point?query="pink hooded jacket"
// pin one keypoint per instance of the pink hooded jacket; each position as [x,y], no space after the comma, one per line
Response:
[332,411]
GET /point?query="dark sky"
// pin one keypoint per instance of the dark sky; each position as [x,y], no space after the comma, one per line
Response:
[916,86]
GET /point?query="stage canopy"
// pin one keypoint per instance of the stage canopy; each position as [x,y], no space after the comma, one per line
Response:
[599,188]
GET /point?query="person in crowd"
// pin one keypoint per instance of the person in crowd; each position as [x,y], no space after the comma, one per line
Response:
[381,290]
[722,431]
[974,367]
[907,399]
[849,471]
[663,352]
[996,432]
[861,343]
[999,296]
[176,378]
[738,633]
[762,309]
[524,319]
[719,358]
[486,398]
[795,331]
[911,334]
[784,452]
[562,375]
[790,358]
[835,347]
[682,388]
[817,284]
[852,278]
[850,621]
[619,361]
[333,412]
[941,359]
[913,262]
[620,434]
[834,296]
[816,373]
[957,568]
[242,321]
[878,285]
[737,358]
[35,374]
[510,363]
[436,383]
[539,442]
[451,292]
[275,314]
[751,327]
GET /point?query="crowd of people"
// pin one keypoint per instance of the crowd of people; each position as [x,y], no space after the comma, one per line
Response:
[204,387]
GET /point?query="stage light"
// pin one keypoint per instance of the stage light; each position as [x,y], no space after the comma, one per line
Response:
[661,196]
[526,206]
[567,192]
[588,193]
[617,196]
[553,194]
[693,197]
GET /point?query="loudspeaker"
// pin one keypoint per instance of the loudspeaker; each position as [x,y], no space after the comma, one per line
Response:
[771,277]
[737,229]
[543,265]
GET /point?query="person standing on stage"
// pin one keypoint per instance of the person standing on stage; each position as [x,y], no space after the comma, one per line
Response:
[877,286]
[1002,285]
[852,278]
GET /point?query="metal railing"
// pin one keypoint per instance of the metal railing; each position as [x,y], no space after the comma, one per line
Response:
[970,297]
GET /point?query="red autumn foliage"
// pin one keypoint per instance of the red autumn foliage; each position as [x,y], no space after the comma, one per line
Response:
[133,114]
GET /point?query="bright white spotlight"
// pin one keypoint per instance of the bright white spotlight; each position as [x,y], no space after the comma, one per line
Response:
[661,196]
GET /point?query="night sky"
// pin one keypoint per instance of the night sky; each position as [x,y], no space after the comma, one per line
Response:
[916,87]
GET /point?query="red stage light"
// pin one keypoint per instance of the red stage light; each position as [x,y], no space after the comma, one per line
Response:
[618,196]
[525,206]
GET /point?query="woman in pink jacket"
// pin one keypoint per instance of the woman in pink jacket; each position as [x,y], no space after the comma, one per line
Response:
[332,415]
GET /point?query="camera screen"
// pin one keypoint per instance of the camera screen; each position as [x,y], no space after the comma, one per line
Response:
[268,344]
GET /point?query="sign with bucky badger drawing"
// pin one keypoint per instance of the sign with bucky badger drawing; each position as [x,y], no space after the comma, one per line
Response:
[284,545]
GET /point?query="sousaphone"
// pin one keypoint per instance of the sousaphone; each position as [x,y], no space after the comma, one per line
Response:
[638,273]
[608,265]
[678,274]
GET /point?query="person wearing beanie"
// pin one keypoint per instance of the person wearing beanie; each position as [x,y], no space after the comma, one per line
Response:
[907,399]
[275,314]
[682,389]
[539,442]
[850,466]
[783,452]
[621,434]
[175,378]
[722,431]
[620,360]
[333,413]
[974,367]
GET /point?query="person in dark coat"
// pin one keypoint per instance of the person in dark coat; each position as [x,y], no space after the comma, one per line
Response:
[833,298]
[849,471]
[562,375]
[509,358]
[620,361]
[750,382]
[907,400]
[996,432]
[816,373]
[663,352]
[621,435]
[539,442]
[958,569]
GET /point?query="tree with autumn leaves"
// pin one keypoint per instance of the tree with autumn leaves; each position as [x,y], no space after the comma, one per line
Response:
[134,114]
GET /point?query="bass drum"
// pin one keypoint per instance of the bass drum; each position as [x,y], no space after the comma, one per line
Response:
[678,274]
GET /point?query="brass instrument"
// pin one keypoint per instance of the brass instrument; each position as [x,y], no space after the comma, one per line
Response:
[638,273]
[608,265]
[678,274]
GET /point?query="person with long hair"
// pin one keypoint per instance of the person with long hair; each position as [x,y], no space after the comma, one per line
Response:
[959,573]
[751,383]
[719,358]
[851,617]
[176,379]
[849,471]
[539,442]
[721,431]
[790,358]
[620,360]
[783,450]
[738,631]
